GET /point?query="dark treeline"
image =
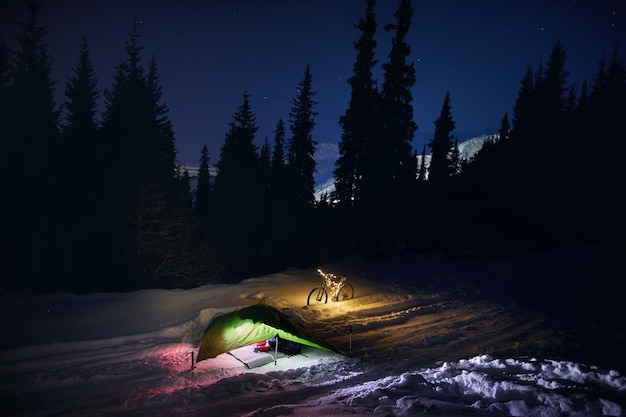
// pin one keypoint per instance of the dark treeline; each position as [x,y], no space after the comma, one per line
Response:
[101,204]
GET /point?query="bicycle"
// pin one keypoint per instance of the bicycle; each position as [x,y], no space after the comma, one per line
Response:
[333,284]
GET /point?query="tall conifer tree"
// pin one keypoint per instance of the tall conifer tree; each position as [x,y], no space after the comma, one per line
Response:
[236,187]
[525,108]
[265,167]
[441,145]
[504,133]
[202,203]
[398,161]
[278,157]
[358,148]
[140,169]
[80,170]
[31,134]
[301,148]
[80,134]
[238,162]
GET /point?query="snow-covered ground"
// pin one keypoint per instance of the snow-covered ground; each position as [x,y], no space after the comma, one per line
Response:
[423,341]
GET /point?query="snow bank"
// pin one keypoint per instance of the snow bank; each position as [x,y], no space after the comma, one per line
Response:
[487,385]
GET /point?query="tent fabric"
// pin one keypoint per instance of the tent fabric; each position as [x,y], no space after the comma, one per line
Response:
[251,325]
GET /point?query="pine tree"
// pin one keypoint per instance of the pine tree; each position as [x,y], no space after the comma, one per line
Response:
[236,187]
[278,161]
[238,162]
[139,151]
[441,145]
[278,218]
[184,193]
[398,161]
[603,121]
[555,83]
[82,96]
[30,134]
[504,133]
[202,203]
[79,170]
[265,168]
[33,128]
[301,148]
[163,143]
[278,154]
[125,127]
[80,144]
[360,142]
[525,108]
[278,175]
[127,124]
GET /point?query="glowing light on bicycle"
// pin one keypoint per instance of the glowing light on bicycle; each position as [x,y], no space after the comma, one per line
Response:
[331,283]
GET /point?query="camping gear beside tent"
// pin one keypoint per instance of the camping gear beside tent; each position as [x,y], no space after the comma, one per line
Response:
[250,358]
[250,325]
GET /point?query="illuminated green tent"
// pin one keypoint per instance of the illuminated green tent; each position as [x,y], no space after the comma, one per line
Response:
[251,325]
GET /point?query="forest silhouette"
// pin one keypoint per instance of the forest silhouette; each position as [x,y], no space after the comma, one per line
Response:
[102,204]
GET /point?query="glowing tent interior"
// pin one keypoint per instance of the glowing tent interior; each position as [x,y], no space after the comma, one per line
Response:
[254,324]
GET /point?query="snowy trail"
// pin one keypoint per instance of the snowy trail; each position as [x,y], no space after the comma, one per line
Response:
[421,342]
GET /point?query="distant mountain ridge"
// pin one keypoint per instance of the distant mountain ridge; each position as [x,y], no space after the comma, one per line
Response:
[327,153]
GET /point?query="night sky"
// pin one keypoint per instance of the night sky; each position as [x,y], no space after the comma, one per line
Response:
[210,52]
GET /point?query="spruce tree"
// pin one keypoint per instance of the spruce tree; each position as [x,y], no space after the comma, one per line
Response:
[265,168]
[236,188]
[441,145]
[30,134]
[164,142]
[202,203]
[184,193]
[80,141]
[138,143]
[504,133]
[80,170]
[299,199]
[126,123]
[398,162]
[82,95]
[278,217]
[278,161]
[279,193]
[555,84]
[604,114]
[525,108]
[237,166]
[301,147]
[360,141]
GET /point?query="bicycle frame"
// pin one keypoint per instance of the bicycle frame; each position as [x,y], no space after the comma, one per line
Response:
[332,283]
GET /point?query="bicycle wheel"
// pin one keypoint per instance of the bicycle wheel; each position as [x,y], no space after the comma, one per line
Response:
[318,295]
[345,293]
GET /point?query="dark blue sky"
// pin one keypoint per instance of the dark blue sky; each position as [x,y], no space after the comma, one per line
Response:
[210,52]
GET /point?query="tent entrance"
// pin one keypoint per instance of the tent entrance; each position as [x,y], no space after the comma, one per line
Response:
[266,351]
[250,358]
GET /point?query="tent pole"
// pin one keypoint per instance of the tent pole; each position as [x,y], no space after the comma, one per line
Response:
[276,350]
